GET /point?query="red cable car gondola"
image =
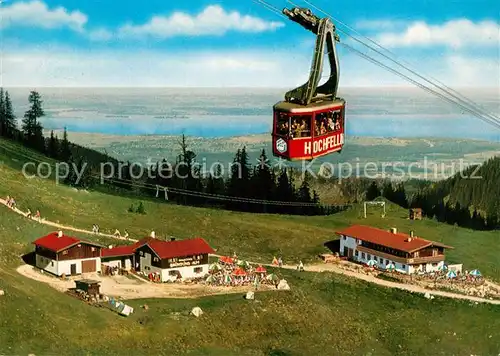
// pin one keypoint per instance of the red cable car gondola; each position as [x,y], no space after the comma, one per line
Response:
[310,123]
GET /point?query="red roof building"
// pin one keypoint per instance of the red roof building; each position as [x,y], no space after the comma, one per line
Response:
[180,248]
[171,259]
[60,254]
[407,252]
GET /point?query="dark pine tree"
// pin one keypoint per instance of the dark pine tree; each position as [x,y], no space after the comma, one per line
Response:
[3,122]
[53,146]
[400,196]
[373,191]
[65,148]
[215,184]
[304,196]
[263,183]
[32,129]
[285,191]
[10,118]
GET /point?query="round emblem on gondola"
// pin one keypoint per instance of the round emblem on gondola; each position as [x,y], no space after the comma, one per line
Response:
[281,145]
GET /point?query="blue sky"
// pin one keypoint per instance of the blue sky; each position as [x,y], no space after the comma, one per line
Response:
[238,43]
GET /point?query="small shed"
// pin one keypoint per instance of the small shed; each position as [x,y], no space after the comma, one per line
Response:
[415,214]
[89,286]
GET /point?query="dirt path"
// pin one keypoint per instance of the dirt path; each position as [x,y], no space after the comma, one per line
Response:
[182,291]
[63,227]
[127,288]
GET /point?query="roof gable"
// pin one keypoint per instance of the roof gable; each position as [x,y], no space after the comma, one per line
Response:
[162,249]
[56,243]
[398,241]
[179,248]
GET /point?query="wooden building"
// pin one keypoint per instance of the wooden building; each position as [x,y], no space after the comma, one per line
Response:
[408,253]
[415,214]
[61,254]
[169,259]
[89,286]
[122,256]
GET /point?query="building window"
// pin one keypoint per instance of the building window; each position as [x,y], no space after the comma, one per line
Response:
[142,253]
[155,259]
[403,266]
[172,273]
[79,245]
[198,269]
[362,255]
[434,265]
[92,249]
[65,252]
[356,253]
[52,263]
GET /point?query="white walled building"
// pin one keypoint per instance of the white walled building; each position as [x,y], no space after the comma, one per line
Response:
[61,254]
[408,253]
[183,259]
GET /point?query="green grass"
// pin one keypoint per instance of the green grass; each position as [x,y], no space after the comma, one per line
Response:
[324,313]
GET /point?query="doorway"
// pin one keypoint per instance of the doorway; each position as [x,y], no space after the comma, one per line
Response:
[73,269]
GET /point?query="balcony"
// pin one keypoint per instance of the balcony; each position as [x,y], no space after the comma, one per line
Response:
[432,259]
[382,254]
[403,260]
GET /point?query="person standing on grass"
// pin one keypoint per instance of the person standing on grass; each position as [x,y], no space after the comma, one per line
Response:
[37,215]
[280,262]
[28,214]
[300,267]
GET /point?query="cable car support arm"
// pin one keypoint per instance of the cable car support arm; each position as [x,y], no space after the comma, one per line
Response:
[324,29]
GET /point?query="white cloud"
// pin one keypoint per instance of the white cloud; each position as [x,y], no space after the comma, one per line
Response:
[213,20]
[455,33]
[474,70]
[100,34]
[37,14]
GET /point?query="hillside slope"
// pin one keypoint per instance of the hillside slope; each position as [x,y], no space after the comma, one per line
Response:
[343,316]
[469,197]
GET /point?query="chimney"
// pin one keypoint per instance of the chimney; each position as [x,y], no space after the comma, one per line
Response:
[394,230]
[153,234]
[172,239]
[59,233]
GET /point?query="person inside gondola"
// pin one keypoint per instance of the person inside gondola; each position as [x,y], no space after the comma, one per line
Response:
[283,128]
[304,127]
[331,123]
[295,128]
[322,128]
[336,120]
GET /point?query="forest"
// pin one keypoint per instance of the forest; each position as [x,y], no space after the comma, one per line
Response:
[460,200]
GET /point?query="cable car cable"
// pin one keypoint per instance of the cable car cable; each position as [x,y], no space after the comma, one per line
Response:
[492,122]
[489,120]
[474,112]
[448,90]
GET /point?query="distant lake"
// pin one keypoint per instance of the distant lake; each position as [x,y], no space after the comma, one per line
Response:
[230,125]
[236,112]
